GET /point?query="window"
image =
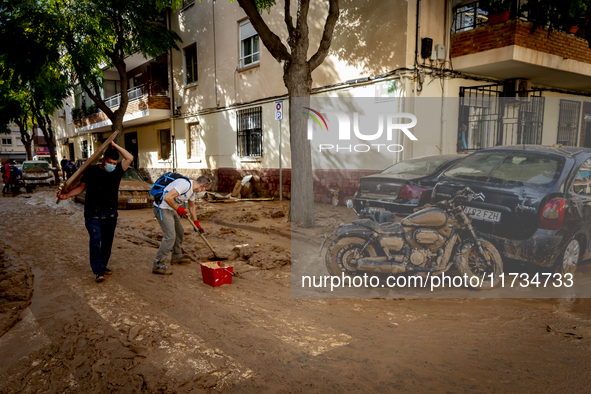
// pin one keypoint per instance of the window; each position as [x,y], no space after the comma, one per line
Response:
[509,169]
[491,115]
[582,182]
[68,114]
[18,141]
[191,64]
[250,132]
[568,122]
[7,141]
[85,149]
[164,144]
[249,44]
[195,146]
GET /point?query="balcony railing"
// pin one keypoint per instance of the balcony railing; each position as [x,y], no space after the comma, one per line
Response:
[132,94]
[471,15]
[152,88]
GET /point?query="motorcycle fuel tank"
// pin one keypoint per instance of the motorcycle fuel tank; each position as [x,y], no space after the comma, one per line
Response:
[429,217]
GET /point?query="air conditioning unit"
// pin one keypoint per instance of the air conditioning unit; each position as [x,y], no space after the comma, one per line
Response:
[517,90]
[522,89]
[61,113]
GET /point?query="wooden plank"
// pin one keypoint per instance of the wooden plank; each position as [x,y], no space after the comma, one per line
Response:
[74,179]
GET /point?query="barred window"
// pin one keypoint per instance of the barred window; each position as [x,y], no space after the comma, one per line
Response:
[568,122]
[250,132]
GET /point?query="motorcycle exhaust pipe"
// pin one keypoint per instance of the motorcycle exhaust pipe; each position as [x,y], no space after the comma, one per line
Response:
[382,266]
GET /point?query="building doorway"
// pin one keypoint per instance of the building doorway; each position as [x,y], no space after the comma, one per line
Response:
[71,151]
[131,147]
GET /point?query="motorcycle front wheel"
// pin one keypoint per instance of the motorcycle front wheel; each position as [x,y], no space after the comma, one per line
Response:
[340,256]
[473,264]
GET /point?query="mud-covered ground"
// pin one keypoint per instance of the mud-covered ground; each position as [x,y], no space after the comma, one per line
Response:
[139,332]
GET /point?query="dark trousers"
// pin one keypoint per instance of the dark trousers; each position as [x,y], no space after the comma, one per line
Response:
[101,229]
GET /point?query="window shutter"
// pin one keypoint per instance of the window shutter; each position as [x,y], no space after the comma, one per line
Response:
[159,145]
[247,30]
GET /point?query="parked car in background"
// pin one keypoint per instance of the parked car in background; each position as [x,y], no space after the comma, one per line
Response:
[79,162]
[403,186]
[134,191]
[537,201]
[36,172]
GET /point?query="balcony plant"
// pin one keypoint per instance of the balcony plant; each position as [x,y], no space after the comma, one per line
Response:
[553,15]
[91,109]
[577,13]
[76,113]
[498,10]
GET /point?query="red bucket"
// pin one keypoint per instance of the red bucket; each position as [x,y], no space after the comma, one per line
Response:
[216,273]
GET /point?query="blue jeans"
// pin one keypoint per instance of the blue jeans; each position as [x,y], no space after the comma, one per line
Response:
[101,229]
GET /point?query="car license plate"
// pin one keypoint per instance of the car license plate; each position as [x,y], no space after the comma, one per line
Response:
[137,200]
[483,214]
[375,209]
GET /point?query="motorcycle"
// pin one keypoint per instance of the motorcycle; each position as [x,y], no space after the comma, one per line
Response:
[427,242]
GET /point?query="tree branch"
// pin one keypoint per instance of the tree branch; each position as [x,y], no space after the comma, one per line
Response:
[288,19]
[331,20]
[271,40]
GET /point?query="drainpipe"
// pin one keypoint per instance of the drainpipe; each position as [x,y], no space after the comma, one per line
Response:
[171,94]
[215,68]
[446,41]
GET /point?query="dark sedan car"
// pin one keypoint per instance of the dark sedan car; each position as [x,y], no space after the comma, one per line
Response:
[402,187]
[537,201]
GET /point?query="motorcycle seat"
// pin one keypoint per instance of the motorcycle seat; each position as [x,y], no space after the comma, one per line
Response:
[384,228]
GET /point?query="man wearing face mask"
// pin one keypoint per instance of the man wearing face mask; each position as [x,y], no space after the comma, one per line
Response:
[101,183]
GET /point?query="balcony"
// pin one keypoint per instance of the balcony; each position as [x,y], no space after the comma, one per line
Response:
[520,48]
[147,103]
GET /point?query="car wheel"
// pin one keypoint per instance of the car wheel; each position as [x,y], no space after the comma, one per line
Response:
[569,258]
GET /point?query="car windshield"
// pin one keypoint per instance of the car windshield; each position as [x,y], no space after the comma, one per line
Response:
[30,166]
[132,175]
[518,168]
[421,166]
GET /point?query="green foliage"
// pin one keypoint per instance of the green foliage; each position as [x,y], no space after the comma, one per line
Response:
[495,6]
[555,15]
[32,74]
[101,33]
[262,5]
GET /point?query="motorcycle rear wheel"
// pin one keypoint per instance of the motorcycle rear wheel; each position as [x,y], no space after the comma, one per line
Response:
[472,264]
[339,256]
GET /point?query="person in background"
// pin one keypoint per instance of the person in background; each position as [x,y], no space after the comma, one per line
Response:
[63,164]
[6,175]
[101,183]
[70,168]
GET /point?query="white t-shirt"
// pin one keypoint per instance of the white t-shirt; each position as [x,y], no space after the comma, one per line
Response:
[185,190]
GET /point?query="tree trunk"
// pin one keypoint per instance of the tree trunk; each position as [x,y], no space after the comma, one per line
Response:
[298,79]
[45,126]
[26,139]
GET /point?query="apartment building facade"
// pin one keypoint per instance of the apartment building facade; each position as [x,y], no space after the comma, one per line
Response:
[11,146]
[210,107]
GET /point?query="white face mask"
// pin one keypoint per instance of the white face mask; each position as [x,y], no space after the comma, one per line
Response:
[109,167]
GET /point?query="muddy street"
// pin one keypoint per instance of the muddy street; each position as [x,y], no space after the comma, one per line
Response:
[139,332]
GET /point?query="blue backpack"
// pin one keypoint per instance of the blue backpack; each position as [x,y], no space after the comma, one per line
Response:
[157,189]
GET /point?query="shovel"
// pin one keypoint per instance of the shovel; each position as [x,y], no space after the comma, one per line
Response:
[215,256]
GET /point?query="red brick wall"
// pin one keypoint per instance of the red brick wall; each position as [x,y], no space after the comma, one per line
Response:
[518,32]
